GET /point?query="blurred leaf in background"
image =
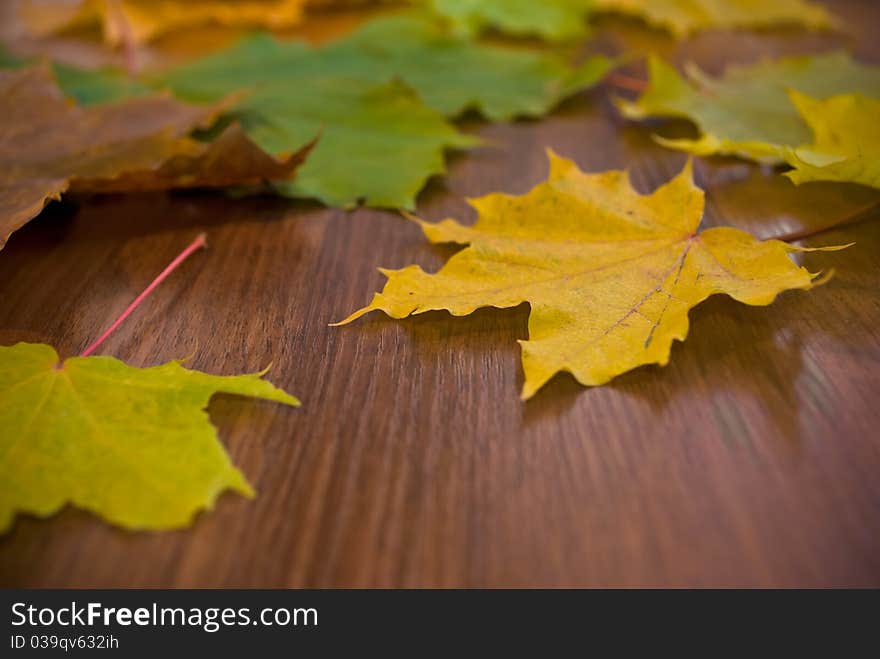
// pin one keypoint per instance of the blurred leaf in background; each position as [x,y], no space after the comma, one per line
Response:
[554,20]
[684,17]
[747,111]
[380,139]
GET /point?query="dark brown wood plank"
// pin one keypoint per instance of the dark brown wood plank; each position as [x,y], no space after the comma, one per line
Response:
[751,460]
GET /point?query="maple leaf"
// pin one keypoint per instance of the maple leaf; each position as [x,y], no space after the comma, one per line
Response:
[454,74]
[379,142]
[140,21]
[610,274]
[48,146]
[747,111]
[683,17]
[846,144]
[554,20]
[133,445]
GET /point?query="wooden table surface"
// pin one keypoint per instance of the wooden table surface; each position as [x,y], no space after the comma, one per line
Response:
[751,460]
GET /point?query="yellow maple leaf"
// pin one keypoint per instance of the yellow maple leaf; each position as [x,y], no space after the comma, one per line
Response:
[610,274]
[139,21]
[846,142]
[683,17]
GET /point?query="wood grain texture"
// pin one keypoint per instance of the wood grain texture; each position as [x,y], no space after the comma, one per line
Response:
[751,460]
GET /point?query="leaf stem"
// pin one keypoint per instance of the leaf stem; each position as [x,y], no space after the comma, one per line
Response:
[198,243]
[624,81]
[858,215]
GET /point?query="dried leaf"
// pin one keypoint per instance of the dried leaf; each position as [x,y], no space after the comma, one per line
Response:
[747,112]
[133,445]
[610,274]
[683,17]
[49,146]
[846,140]
[231,159]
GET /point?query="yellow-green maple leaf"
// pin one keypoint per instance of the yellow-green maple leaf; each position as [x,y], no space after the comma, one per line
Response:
[846,140]
[133,445]
[610,274]
[747,111]
[683,17]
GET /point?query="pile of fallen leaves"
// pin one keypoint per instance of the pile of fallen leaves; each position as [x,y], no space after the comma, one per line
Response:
[367,118]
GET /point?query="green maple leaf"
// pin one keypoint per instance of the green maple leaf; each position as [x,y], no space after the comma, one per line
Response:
[133,445]
[380,139]
[379,144]
[454,74]
[747,112]
[450,74]
[554,20]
